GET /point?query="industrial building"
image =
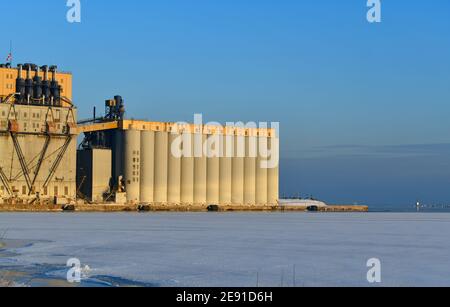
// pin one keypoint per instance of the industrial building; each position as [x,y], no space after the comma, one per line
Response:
[144,164]
[120,160]
[37,134]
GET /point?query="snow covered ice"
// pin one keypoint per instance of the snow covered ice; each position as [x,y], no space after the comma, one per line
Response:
[237,249]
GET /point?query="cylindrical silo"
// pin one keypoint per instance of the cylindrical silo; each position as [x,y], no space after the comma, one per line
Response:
[132,165]
[200,173]
[226,171]
[161,166]
[261,171]
[251,143]
[273,171]
[187,169]
[213,170]
[147,166]
[237,192]
[174,173]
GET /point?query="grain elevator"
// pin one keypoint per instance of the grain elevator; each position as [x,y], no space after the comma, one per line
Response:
[37,135]
[187,164]
[122,161]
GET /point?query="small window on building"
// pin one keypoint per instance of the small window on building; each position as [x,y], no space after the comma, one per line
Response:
[24,190]
[45,191]
[56,191]
[66,191]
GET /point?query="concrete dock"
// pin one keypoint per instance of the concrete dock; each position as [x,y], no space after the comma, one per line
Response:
[172,208]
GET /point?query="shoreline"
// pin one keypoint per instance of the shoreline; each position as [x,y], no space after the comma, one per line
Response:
[114,208]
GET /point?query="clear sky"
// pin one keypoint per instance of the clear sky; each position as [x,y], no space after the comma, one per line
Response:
[363,107]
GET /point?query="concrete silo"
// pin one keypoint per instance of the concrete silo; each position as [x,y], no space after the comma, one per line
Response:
[187,167]
[261,170]
[226,167]
[179,164]
[213,166]
[200,169]
[273,171]
[174,168]
[161,166]
[238,167]
[147,182]
[132,165]
[251,152]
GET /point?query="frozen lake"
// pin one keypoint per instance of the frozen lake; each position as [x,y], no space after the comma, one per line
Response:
[232,249]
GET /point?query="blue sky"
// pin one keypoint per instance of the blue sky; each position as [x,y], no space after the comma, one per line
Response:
[363,107]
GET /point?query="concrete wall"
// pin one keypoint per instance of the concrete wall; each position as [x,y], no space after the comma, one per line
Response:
[32,126]
[94,173]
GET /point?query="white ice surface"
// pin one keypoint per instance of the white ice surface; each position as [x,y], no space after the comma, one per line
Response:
[233,249]
[302,202]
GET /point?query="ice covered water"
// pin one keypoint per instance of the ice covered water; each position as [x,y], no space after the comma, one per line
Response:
[235,249]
